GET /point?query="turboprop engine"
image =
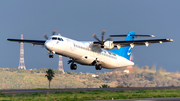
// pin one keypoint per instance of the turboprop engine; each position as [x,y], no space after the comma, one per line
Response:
[108,45]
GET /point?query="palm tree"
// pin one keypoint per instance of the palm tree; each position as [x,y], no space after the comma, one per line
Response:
[49,74]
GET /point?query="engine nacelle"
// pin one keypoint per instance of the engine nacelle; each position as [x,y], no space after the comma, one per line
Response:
[108,45]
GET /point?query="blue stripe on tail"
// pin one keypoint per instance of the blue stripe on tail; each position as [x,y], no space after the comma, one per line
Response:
[125,51]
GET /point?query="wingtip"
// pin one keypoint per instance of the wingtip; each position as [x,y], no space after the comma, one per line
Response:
[170,40]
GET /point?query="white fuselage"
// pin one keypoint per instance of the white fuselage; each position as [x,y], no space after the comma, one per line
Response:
[85,53]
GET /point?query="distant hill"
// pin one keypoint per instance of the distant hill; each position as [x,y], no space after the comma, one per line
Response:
[12,78]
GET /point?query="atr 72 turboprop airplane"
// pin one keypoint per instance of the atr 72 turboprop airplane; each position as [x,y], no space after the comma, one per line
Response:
[101,54]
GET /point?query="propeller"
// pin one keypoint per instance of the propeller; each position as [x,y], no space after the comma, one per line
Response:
[101,42]
[53,33]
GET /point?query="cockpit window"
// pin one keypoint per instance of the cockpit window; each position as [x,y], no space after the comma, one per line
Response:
[54,38]
[60,39]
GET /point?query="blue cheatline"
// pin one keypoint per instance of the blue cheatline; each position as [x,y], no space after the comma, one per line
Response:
[125,51]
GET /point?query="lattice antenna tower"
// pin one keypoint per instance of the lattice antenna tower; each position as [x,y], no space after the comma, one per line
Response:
[21,61]
[60,66]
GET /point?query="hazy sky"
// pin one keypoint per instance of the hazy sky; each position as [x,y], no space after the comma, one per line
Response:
[79,19]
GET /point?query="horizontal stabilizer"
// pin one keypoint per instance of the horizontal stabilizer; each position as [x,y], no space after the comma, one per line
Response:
[132,35]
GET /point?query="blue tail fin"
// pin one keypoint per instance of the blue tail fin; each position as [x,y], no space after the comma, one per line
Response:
[125,51]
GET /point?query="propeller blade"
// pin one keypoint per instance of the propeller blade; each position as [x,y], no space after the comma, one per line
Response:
[54,32]
[102,35]
[96,37]
[45,36]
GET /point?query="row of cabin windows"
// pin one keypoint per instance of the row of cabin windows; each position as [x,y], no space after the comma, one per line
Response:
[108,56]
[94,51]
[81,47]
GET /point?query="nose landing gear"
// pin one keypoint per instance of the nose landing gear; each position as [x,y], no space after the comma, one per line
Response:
[50,54]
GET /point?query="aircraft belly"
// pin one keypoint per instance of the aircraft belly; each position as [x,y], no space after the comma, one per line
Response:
[109,63]
[84,62]
[122,62]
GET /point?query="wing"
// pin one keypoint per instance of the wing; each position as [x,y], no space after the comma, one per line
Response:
[34,42]
[137,42]
[140,42]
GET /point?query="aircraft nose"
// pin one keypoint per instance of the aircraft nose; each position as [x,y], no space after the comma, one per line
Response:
[48,45]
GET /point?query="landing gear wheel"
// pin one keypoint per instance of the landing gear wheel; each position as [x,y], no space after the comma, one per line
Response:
[98,67]
[73,66]
[51,56]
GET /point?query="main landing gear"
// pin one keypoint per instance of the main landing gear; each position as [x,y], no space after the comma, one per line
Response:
[98,67]
[72,66]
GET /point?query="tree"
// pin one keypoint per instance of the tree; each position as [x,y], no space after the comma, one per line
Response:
[153,68]
[71,73]
[49,74]
[160,69]
[164,70]
[145,68]
[136,69]
[104,86]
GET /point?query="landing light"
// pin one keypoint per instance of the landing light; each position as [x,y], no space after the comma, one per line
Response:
[147,44]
